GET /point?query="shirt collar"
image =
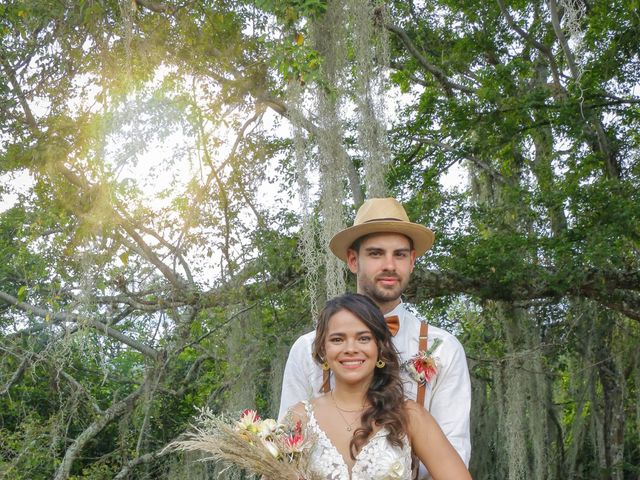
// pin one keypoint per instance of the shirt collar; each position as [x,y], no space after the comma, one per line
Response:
[399,310]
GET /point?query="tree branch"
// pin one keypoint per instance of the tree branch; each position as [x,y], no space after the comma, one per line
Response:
[447,84]
[156,7]
[175,250]
[617,290]
[463,155]
[114,411]
[141,460]
[546,51]
[175,280]
[80,387]
[60,317]
[28,114]
[17,375]
[557,28]
[137,303]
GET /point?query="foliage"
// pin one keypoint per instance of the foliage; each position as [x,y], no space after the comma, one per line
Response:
[150,265]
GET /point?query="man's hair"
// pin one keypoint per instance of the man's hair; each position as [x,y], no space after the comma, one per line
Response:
[385,395]
[358,241]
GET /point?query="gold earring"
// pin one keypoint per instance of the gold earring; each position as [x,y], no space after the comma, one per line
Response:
[380,364]
[325,366]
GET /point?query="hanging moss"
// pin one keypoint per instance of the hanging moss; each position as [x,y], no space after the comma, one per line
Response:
[345,95]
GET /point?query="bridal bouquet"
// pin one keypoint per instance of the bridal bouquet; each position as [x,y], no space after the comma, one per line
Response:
[262,447]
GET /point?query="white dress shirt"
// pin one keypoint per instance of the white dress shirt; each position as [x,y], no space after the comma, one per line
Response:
[447,395]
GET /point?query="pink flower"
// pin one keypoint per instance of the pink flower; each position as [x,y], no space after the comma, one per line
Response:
[425,367]
[294,443]
[251,414]
[422,367]
[298,428]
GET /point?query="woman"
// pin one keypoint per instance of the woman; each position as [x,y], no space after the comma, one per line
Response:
[365,428]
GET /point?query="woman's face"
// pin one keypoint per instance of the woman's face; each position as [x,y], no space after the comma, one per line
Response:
[350,348]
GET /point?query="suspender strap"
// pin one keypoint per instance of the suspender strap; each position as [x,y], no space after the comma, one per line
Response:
[422,346]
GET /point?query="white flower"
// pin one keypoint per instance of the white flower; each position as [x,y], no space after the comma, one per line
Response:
[391,467]
[396,470]
[267,427]
[271,447]
[250,421]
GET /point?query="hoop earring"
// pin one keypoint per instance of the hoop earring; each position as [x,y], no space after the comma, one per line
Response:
[380,364]
[325,366]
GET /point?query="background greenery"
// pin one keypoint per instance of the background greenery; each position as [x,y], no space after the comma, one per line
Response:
[146,270]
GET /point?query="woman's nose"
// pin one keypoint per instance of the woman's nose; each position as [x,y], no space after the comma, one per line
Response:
[350,345]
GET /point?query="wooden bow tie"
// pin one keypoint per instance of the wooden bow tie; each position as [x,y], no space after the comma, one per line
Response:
[393,322]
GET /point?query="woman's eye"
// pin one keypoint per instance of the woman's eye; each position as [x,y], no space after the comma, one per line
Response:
[365,339]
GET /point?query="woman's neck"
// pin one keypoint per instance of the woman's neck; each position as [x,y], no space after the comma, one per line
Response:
[350,397]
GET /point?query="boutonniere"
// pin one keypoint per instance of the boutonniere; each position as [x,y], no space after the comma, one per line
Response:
[423,366]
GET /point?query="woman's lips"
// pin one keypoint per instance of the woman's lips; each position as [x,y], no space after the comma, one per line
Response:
[351,363]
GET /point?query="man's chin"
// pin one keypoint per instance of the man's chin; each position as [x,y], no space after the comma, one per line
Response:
[385,296]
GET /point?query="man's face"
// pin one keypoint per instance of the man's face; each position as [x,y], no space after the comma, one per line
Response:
[383,266]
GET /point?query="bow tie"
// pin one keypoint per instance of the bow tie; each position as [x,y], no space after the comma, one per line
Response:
[393,322]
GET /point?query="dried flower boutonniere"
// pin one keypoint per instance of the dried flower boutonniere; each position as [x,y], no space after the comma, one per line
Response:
[423,366]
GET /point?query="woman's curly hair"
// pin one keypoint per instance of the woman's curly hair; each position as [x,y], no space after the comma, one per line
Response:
[385,395]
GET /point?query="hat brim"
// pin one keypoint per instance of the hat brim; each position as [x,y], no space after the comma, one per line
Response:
[421,236]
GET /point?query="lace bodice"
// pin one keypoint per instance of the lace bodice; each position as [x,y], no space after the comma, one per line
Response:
[377,460]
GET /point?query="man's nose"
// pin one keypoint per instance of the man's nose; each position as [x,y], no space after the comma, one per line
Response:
[389,263]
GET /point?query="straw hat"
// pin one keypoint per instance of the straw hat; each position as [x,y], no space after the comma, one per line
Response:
[381,215]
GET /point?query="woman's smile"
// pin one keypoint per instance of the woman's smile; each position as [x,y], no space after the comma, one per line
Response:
[351,363]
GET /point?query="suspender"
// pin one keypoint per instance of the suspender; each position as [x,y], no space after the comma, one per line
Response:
[422,346]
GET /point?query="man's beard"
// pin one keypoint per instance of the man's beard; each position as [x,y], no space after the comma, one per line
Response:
[380,294]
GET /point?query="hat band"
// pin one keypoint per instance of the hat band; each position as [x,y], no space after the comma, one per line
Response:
[385,219]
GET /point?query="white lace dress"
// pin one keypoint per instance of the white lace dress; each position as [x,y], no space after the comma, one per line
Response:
[377,460]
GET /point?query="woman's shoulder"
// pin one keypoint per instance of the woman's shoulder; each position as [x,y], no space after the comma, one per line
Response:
[416,413]
[302,410]
[299,410]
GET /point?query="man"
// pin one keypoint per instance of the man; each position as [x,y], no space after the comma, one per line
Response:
[380,249]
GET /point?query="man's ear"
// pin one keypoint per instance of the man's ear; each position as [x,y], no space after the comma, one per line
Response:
[352,260]
[413,259]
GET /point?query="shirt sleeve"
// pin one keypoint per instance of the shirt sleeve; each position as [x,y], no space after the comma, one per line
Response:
[450,401]
[298,375]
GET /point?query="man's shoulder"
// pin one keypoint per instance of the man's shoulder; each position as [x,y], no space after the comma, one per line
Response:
[304,341]
[447,338]
[439,332]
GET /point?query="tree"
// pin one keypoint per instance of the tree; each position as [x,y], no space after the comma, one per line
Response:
[122,304]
